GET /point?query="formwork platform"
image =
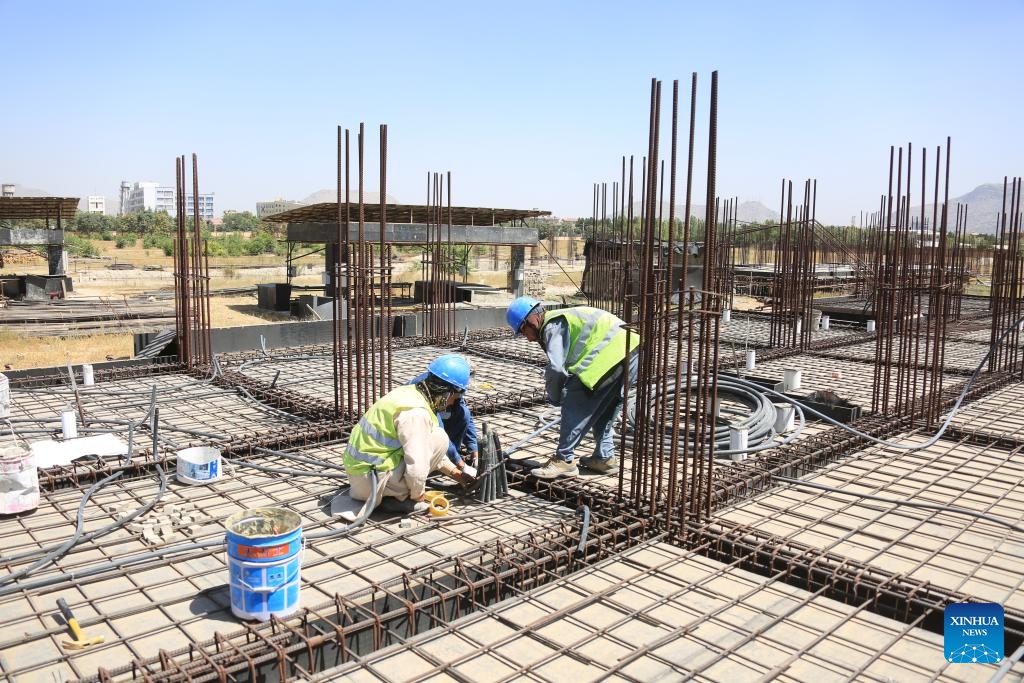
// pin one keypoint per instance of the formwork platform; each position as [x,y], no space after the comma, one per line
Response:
[145,596]
[950,515]
[959,356]
[657,612]
[495,377]
[504,578]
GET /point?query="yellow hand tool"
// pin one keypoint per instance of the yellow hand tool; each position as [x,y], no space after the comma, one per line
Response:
[80,642]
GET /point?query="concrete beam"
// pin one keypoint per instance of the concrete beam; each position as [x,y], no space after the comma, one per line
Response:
[415,233]
[26,237]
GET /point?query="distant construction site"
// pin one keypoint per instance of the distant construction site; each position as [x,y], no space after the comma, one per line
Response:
[820,458]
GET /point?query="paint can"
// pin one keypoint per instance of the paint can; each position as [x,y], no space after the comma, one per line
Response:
[264,562]
[199,465]
[19,480]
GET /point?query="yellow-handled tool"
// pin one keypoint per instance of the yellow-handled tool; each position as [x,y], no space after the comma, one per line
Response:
[81,641]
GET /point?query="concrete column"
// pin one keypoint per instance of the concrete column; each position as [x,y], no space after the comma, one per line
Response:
[515,271]
[57,259]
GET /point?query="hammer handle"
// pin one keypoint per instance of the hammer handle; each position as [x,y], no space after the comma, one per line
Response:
[65,611]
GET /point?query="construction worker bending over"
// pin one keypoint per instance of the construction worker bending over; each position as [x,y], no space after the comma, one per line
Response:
[585,348]
[400,438]
[458,423]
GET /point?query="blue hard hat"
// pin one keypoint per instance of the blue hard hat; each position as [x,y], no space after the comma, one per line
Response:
[451,369]
[518,310]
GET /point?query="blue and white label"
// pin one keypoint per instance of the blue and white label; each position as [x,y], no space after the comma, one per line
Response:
[973,633]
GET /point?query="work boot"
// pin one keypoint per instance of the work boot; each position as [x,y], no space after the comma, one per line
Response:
[555,468]
[595,464]
[402,507]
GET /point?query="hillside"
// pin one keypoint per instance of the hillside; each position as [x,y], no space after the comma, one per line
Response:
[747,212]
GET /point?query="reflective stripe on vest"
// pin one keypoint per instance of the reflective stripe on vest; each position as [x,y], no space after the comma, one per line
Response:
[374,442]
[597,342]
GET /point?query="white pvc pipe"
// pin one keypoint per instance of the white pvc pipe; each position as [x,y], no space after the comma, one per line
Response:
[824,322]
[799,326]
[87,375]
[68,424]
[791,379]
[726,315]
[738,442]
[751,359]
[871,326]
[783,417]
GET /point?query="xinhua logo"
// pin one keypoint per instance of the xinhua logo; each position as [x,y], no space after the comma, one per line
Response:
[973,633]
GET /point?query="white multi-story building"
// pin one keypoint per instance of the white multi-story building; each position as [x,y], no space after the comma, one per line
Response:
[96,204]
[205,206]
[155,197]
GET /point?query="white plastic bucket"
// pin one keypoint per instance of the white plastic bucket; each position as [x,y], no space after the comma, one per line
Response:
[870,326]
[738,442]
[5,396]
[751,359]
[784,414]
[825,321]
[726,315]
[68,424]
[19,480]
[199,465]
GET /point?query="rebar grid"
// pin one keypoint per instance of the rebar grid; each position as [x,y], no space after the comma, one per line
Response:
[945,548]
[496,381]
[387,612]
[660,611]
[191,410]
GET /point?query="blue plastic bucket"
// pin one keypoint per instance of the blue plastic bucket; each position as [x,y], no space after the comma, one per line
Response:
[264,562]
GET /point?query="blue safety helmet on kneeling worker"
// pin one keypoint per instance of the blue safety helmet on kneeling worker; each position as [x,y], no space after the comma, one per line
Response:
[518,311]
[451,369]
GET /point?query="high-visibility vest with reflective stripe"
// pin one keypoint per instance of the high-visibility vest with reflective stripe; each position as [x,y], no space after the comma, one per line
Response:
[374,442]
[597,342]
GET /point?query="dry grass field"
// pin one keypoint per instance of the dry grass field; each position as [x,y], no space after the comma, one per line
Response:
[94,279]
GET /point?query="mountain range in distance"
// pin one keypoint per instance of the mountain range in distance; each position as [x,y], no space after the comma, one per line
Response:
[984,205]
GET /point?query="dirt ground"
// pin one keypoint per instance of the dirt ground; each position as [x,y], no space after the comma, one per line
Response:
[93,278]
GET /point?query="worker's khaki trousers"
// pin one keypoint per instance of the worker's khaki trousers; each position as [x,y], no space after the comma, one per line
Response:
[393,483]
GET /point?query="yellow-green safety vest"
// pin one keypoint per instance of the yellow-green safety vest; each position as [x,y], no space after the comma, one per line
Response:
[597,342]
[374,442]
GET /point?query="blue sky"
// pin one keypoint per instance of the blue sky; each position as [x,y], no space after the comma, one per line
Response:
[526,103]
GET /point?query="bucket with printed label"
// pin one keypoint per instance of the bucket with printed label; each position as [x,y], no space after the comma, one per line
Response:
[264,562]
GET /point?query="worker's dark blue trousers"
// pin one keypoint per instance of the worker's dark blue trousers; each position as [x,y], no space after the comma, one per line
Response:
[594,411]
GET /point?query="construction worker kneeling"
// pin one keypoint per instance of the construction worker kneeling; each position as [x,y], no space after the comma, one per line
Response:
[400,438]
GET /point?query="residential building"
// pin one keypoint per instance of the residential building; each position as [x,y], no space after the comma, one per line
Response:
[205,206]
[155,197]
[264,209]
[96,204]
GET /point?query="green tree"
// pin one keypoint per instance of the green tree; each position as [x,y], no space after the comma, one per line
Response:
[242,221]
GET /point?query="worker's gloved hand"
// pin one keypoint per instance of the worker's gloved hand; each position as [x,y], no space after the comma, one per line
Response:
[463,478]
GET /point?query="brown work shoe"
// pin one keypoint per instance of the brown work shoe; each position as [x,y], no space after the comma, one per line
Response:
[609,466]
[555,468]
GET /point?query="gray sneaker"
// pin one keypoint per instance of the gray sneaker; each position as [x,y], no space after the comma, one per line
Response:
[594,464]
[555,468]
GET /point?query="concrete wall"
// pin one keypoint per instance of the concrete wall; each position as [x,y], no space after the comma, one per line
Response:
[279,335]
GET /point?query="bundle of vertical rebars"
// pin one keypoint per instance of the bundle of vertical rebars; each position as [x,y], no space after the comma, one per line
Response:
[1007,279]
[492,481]
[191,275]
[915,279]
[362,321]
